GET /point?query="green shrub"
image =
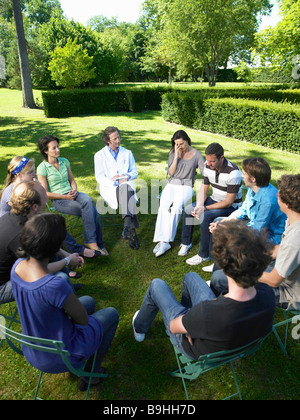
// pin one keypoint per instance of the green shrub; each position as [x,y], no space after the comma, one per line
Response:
[71,66]
[261,122]
[67,103]
[136,100]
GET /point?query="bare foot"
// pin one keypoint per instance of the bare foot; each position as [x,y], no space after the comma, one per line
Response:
[88,253]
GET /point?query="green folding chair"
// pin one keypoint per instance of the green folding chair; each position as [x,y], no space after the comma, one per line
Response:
[15,340]
[192,369]
[9,316]
[287,321]
[71,220]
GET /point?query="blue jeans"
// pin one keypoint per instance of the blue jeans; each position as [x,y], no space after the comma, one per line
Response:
[83,206]
[109,319]
[72,246]
[208,217]
[159,297]
[6,293]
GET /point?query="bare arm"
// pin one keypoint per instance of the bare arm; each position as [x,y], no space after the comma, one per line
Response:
[176,327]
[272,279]
[201,197]
[75,309]
[75,262]
[224,204]
[52,196]
[177,155]
[72,182]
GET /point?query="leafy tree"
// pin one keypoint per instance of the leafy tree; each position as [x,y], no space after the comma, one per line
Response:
[56,32]
[157,60]
[243,72]
[100,23]
[206,33]
[41,11]
[71,66]
[35,13]
[278,47]
[28,100]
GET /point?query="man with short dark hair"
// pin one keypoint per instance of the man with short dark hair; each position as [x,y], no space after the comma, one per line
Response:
[260,207]
[203,323]
[225,178]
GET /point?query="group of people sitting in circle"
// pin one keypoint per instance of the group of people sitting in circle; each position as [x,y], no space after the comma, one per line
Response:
[253,245]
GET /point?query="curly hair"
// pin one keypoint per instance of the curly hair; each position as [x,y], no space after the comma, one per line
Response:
[241,252]
[23,196]
[42,236]
[289,191]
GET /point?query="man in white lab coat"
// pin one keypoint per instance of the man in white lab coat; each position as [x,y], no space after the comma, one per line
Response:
[115,170]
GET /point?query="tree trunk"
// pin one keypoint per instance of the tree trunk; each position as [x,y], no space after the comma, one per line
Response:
[28,100]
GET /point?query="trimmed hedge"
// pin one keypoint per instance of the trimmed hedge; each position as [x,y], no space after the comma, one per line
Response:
[67,103]
[276,125]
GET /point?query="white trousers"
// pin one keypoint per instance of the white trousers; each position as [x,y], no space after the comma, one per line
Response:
[172,201]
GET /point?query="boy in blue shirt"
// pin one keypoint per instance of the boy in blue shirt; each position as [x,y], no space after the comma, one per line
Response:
[260,206]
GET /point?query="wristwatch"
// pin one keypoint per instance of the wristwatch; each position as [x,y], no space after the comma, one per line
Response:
[205,209]
[67,260]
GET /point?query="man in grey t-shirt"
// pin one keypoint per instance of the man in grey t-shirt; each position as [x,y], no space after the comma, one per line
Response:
[285,276]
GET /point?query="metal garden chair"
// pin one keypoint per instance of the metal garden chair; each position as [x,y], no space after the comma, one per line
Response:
[71,220]
[287,321]
[10,317]
[192,369]
[15,340]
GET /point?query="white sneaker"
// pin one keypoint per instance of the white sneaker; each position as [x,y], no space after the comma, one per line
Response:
[156,248]
[138,336]
[164,247]
[184,249]
[196,260]
[208,268]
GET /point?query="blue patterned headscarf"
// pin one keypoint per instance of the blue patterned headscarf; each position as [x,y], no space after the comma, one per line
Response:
[21,165]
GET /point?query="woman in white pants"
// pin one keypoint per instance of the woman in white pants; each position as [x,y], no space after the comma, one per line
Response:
[182,164]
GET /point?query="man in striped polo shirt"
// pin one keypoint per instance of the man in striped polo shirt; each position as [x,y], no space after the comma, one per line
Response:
[225,178]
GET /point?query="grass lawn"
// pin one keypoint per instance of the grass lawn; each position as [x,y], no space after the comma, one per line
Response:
[137,371]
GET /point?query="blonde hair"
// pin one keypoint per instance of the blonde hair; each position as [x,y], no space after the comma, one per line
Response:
[23,196]
[12,165]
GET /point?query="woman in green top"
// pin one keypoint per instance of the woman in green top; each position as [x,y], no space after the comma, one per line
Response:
[55,175]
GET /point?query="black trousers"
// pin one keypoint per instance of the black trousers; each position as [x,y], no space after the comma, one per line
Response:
[127,203]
